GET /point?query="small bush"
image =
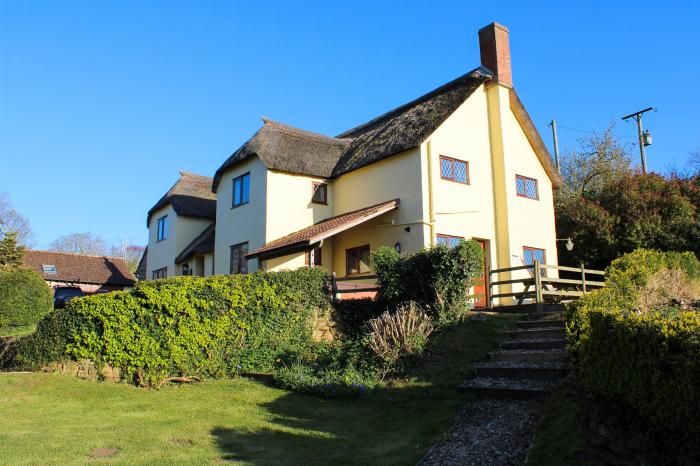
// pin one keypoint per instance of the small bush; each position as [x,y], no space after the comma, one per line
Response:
[437,278]
[399,336]
[355,313]
[24,297]
[303,377]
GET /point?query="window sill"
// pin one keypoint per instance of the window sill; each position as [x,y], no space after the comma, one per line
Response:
[239,205]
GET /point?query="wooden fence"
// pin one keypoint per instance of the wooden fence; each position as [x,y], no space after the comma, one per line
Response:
[538,286]
[358,286]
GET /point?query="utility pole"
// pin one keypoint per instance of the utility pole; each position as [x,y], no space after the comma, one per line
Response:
[553,124]
[644,137]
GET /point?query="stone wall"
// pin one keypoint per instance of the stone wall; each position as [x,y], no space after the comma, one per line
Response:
[326,327]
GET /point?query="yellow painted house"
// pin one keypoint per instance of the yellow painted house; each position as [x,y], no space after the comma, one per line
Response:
[462,161]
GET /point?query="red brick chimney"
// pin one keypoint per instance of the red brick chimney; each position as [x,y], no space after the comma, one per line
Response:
[495,52]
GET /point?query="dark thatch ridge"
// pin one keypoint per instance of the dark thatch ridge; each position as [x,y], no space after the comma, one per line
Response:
[285,148]
[202,244]
[143,264]
[409,125]
[190,196]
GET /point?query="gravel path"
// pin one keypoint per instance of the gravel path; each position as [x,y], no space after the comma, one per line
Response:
[488,432]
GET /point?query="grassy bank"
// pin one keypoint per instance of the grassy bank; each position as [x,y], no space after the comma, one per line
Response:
[50,418]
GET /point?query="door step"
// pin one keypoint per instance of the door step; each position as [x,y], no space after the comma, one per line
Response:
[558,323]
[532,333]
[495,387]
[542,355]
[548,370]
[558,315]
[534,343]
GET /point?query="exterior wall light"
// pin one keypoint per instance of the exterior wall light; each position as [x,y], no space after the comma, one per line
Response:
[569,244]
[397,247]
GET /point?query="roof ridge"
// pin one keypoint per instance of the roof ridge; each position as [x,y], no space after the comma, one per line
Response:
[269,121]
[186,173]
[80,254]
[480,71]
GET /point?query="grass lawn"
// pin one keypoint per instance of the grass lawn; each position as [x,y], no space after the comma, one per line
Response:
[57,419]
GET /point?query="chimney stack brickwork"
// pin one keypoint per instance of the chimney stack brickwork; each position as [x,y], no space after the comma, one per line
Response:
[495,52]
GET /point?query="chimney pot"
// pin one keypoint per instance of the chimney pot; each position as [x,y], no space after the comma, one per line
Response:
[495,52]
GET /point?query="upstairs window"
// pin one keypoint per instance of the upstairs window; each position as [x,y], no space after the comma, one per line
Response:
[49,269]
[449,241]
[319,193]
[526,187]
[454,170]
[357,260]
[313,257]
[241,190]
[162,228]
[239,264]
[160,273]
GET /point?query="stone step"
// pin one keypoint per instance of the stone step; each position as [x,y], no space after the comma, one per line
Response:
[559,323]
[541,355]
[548,370]
[534,343]
[559,315]
[496,387]
[542,332]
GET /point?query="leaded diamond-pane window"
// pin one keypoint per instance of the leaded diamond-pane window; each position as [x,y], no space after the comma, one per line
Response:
[448,240]
[530,255]
[526,187]
[454,170]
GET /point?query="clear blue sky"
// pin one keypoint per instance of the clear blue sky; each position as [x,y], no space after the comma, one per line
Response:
[101,103]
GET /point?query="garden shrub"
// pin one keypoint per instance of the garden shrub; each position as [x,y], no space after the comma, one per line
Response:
[327,382]
[24,297]
[400,336]
[644,359]
[437,278]
[354,314]
[213,326]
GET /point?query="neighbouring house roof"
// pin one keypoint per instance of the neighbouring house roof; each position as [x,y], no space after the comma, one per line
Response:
[79,268]
[143,265]
[323,229]
[190,196]
[286,148]
[202,244]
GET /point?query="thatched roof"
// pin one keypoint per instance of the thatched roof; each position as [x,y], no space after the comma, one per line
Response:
[407,126]
[285,148]
[202,244]
[190,196]
[79,268]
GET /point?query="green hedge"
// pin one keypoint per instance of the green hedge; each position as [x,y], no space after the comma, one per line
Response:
[24,297]
[436,278]
[193,326]
[648,361]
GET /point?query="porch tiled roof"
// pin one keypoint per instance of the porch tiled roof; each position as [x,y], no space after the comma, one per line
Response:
[325,228]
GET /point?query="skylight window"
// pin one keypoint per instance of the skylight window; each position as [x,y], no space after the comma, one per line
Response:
[49,269]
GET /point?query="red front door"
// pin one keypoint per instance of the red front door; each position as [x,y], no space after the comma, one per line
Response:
[480,294]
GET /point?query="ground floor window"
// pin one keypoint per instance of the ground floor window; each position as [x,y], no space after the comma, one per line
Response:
[448,240]
[530,255]
[313,257]
[239,264]
[357,260]
[160,273]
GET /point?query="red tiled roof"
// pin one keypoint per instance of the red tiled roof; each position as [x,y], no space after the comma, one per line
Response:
[79,268]
[326,228]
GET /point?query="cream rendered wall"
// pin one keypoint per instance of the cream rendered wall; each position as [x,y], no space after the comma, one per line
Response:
[180,232]
[208,265]
[531,221]
[242,223]
[296,260]
[162,253]
[289,206]
[459,209]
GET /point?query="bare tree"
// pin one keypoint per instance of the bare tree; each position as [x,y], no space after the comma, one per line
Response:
[80,243]
[12,221]
[600,159]
[130,253]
